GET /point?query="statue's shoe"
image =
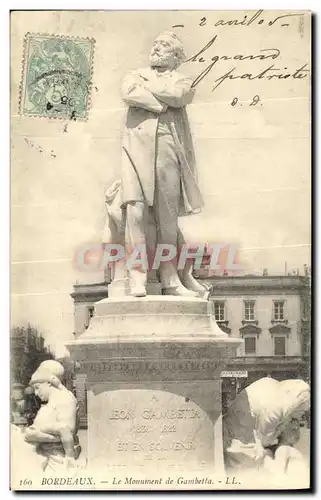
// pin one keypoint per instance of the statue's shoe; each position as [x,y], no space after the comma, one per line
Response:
[192,284]
[180,291]
[138,291]
[206,286]
[205,295]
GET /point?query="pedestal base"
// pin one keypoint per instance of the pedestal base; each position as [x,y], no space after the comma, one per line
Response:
[154,390]
[155,427]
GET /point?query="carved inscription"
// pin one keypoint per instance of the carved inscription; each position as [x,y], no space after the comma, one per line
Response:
[148,414]
[134,367]
[154,428]
[141,427]
[168,351]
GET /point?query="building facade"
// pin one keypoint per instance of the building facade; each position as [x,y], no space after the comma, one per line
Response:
[270,313]
[28,350]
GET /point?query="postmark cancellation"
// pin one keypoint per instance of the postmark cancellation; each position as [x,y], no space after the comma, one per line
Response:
[56,76]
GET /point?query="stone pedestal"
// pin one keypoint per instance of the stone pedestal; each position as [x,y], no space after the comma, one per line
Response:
[154,390]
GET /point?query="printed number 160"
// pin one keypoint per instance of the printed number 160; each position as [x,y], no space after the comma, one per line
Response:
[25,482]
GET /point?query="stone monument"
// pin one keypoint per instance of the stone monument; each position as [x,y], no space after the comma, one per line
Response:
[152,361]
[153,370]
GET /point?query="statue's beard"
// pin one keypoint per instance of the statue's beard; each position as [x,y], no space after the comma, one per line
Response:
[157,61]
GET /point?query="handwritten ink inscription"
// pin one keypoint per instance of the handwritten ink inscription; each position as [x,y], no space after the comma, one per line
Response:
[257,19]
[271,72]
[240,66]
[256,99]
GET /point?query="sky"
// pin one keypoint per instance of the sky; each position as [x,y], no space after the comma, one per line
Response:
[253,159]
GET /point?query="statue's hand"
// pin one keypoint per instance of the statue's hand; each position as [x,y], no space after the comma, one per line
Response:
[35,435]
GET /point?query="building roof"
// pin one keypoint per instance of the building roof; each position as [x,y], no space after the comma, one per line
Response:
[256,284]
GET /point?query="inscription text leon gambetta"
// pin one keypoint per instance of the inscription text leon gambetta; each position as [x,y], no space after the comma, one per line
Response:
[275,69]
[147,436]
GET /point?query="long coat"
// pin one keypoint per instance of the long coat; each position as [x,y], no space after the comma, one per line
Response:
[147,97]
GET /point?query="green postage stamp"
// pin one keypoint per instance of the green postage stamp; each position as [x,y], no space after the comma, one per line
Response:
[57,76]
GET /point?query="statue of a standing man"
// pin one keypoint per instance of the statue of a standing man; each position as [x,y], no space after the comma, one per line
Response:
[158,164]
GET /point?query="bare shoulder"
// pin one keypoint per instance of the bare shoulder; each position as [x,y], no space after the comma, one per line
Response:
[65,397]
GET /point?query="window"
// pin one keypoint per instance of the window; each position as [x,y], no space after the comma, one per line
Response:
[279,346]
[249,310]
[278,310]
[90,314]
[219,311]
[250,345]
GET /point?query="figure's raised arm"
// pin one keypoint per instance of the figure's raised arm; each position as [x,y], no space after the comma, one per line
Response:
[135,93]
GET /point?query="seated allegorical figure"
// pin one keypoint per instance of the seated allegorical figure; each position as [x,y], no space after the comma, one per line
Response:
[54,430]
[262,425]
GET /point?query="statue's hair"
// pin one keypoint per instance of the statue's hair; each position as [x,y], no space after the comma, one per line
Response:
[50,371]
[52,366]
[41,375]
[176,44]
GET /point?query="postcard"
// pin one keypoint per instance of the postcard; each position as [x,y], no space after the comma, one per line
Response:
[160,250]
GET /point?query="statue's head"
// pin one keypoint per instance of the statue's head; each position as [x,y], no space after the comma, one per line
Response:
[53,366]
[47,376]
[167,51]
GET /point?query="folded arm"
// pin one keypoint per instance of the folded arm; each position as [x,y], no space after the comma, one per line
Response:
[174,93]
[135,93]
[34,436]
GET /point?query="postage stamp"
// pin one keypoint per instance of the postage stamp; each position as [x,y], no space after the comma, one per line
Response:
[57,76]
